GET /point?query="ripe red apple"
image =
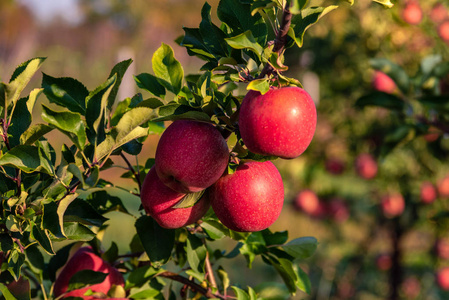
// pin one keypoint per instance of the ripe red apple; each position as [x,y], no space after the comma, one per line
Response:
[338,210]
[384,262]
[443,187]
[428,192]
[382,82]
[20,288]
[250,199]
[281,122]
[366,166]
[442,278]
[442,248]
[412,12]
[308,202]
[438,13]
[335,166]
[191,156]
[86,259]
[443,31]
[432,134]
[393,205]
[158,200]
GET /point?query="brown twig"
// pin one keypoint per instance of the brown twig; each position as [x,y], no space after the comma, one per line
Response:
[193,285]
[136,174]
[210,272]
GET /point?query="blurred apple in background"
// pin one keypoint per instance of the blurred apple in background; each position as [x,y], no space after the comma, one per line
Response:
[366,166]
[338,210]
[308,202]
[383,83]
[438,13]
[443,187]
[412,12]
[443,31]
[335,166]
[384,261]
[428,192]
[442,248]
[442,278]
[392,205]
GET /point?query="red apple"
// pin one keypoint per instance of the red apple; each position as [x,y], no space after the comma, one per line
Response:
[280,123]
[412,12]
[86,259]
[20,288]
[443,31]
[338,210]
[442,278]
[366,166]
[382,82]
[158,200]
[442,248]
[411,287]
[393,205]
[308,202]
[428,192]
[250,199]
[443,187]
[384,262]
[335,166]
[191,156]
[433,133]
[438,13]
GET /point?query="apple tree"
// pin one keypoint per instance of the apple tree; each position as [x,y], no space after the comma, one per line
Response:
[212,177]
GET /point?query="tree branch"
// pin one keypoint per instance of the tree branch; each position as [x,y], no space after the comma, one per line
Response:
[194,286]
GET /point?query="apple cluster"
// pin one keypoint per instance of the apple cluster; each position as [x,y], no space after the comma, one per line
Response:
[192,157]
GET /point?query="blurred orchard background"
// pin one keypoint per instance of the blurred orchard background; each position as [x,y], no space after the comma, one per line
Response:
[372,187]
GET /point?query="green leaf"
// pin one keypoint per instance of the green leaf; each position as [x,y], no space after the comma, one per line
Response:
[82,212]
[241,294]
[95,109]
[6,242]
[103,201]
[245,40]
[303,282]
[84,278]
[285,269]
[42,237]
[20,78]
[147,294]
[69,123]
[139,276]
[212,36]
[381,99]
[20,121]
[173,111]
[237,16]
[195,45]
[301,248]
[224,277]
[196,253]
[34,133]
[51,220]
[386,3]
[260,85]
[16,260]
[157,241]
[260,5]
[394,71]
[272,291]
[189,200]
[168,70]
[308,17]
[66,92]
[214,229]
[25,158]
[78,232]
[6,293]
[119,71]
[276,238]
[131,120]
[151,84]
[297,6]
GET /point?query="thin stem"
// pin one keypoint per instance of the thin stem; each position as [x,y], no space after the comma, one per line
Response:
[210,272]
[136,174]
[194,286]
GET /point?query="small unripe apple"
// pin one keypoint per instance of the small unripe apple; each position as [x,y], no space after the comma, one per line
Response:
[366,166]
[428,192]
[250,199]
[382,82]
[393,205]
[338,210]
[280,123]
[443,187]
[442,248]
[442,277]
[443,31]
[308,202]
[384,261]
[86,259]
[438,13]
[158,201]
[191,156]
[412,12]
